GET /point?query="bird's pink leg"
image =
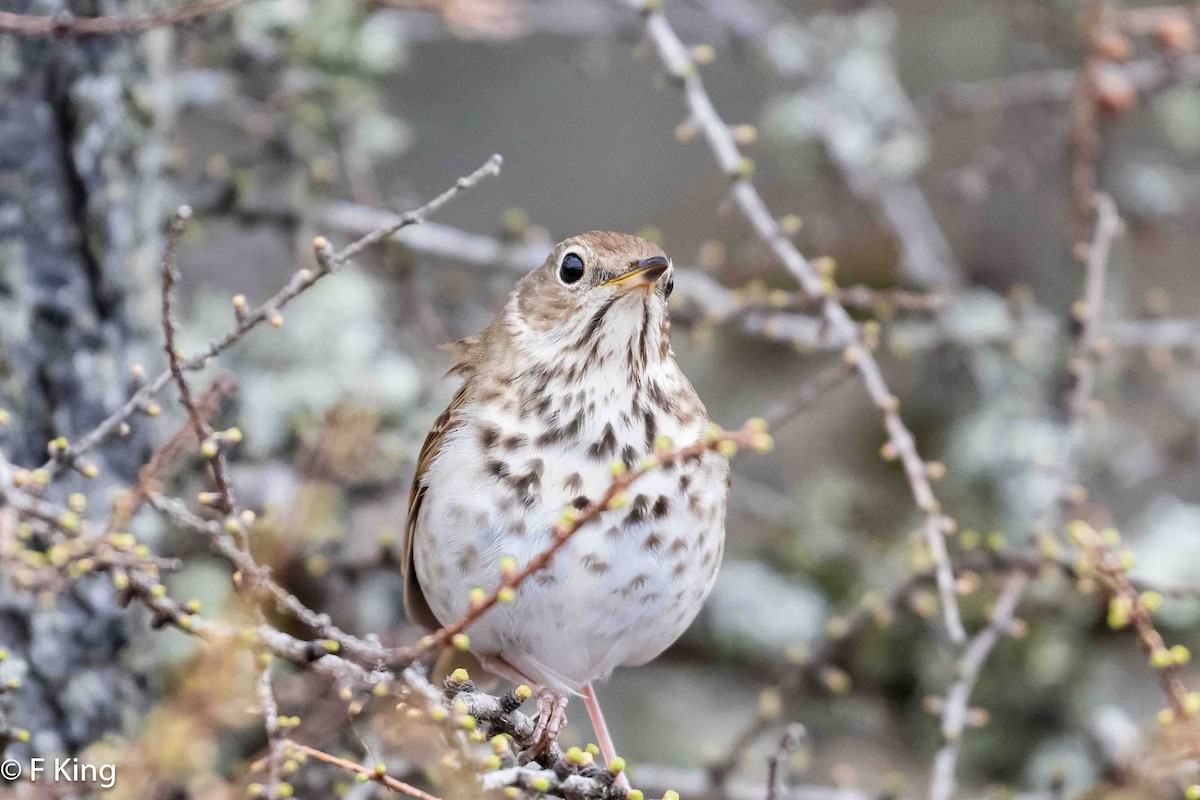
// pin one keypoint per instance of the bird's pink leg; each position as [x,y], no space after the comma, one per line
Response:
[552,706]
[606,743]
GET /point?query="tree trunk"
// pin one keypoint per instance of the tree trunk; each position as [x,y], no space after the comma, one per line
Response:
[80,206]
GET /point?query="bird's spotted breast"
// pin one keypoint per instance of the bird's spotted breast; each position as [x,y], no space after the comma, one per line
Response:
[632,581]
[576,373]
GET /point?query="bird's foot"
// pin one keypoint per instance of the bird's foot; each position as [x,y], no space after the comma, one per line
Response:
[551,719]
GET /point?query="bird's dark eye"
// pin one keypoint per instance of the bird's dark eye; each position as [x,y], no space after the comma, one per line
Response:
[570,269]
[670,286]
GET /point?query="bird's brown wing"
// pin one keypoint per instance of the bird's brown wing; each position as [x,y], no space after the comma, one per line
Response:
[415,603]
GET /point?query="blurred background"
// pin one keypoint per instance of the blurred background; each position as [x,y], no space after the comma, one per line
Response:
[926,146]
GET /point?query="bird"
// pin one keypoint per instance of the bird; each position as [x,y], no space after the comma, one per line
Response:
[573,381]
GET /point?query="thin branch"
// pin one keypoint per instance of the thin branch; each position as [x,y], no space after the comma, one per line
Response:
[269,708]
[1127,607]
[269,311]
[259,578]
[371,773]
[215,455]
[1087,311]
[683,70]
[1057,86]
[806,395]
[151,475]
[1082,368]
[1085,112]
[67,26]
[954,715]
[791,739]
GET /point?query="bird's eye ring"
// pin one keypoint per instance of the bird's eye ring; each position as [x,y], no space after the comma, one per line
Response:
[571,268]
[670,287]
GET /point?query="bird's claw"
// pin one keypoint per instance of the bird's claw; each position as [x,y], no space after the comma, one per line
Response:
[551,719]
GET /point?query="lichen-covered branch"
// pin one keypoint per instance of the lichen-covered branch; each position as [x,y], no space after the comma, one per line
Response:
[956,704]
[682,69]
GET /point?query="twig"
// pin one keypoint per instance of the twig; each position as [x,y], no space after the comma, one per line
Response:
[1082,369]
[259,577]
[372,774]
[753,435]
[790,740]
[683,70]
[1087,311]
[808,393]
[954,715]
[1085,112]
[216,458]
[269,311]
[1055,87]
[867,299]
[151,475]
[1127,607]
[66,26]
[212,447]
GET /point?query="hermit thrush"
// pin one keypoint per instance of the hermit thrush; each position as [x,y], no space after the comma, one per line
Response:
[575,376]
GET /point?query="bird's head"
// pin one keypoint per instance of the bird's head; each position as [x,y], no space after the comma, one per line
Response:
[599,295]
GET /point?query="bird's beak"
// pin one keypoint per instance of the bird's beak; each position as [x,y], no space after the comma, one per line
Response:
[641,274]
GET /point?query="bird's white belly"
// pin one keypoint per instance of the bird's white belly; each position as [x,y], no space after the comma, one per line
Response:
[619,592]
